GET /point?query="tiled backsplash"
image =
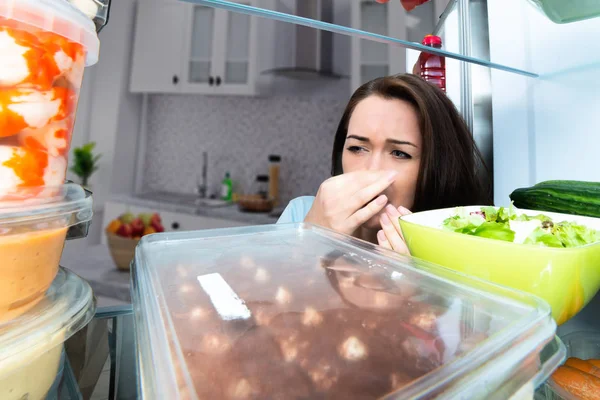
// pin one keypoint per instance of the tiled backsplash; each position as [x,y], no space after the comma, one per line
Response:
[239,133]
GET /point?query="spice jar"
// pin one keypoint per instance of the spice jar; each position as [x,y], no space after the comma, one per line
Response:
[274,164]
[262,185]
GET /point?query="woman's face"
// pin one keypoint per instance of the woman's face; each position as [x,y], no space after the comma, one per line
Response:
[384,135]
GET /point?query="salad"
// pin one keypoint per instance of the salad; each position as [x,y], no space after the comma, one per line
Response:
[504,224]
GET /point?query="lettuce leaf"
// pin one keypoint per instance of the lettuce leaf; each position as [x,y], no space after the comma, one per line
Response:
[573,235]
[543,238]
[495,230]
[495,223]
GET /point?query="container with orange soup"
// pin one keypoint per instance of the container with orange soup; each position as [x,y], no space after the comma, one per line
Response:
[32,236]
[44,47]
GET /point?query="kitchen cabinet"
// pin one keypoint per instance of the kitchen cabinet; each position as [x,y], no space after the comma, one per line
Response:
[172,221]
[158,47]
[186,48]
[370,59]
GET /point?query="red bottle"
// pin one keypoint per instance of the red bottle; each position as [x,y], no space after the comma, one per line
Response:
[412,4]
[432,67]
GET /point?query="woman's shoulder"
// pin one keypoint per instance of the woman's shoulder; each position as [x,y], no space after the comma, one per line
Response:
[296,210]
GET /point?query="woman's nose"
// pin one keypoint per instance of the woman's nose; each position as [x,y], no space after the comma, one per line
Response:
[374,163]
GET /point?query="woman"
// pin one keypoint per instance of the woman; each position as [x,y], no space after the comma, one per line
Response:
[401,145]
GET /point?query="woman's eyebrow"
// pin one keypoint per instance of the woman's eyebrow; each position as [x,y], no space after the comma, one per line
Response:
[394,141]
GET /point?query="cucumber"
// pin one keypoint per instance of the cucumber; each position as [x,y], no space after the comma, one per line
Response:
[567,197]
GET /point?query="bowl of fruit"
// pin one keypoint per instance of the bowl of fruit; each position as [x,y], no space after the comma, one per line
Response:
[124,233]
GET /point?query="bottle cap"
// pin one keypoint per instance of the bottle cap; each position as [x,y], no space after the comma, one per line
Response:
[432,40]
[274,158]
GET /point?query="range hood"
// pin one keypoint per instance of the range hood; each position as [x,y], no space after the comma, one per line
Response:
[313,56]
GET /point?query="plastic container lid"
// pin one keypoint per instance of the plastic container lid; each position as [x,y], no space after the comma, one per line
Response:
[68,204]
[296,311]
[56,16]
[97,10]
[69,305]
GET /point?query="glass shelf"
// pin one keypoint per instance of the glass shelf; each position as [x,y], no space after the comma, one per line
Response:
[415,22]
[516,30]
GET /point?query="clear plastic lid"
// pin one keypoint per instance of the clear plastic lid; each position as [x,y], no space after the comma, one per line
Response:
[58,16]
[68,306]
[96,10]
[57,207]
[299,312]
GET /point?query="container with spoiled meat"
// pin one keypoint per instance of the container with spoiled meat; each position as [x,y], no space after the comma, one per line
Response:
[31,345]
[32,236]
[44,47]
[300,312]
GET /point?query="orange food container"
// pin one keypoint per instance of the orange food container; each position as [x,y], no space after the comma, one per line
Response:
[32,237]
[44,47]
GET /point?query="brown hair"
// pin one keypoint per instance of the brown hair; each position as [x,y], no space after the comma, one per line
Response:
[449,158]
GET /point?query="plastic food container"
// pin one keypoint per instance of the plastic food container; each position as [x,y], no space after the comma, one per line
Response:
[44,47]
[583,345]
[32,236]
[567,278]
[96,10]
[562,12]
[297,312]
[31,345]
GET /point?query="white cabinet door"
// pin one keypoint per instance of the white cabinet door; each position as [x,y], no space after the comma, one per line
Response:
[221,56]
[158,47]
[200,45]
[372,59]
[238,68]
[171,221]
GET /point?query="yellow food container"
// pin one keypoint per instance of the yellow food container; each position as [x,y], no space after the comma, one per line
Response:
[566,278]
[31,345]
[32,237]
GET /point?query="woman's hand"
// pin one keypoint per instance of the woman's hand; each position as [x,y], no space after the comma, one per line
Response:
[345,202]
[390,235]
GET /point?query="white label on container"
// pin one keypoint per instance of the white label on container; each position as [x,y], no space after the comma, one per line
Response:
[224,299]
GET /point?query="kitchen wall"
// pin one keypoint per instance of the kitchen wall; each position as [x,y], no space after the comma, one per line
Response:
[239,133]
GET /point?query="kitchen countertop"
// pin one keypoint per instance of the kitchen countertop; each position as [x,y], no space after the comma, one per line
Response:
[229,212]
[95,265]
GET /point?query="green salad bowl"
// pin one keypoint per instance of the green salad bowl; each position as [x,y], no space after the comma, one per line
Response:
[566,278]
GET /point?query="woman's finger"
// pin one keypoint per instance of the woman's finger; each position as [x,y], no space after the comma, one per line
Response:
[368,192]
[366,213]
[394,215]
[392,235]
[404,211]
[347,193]
[382,240]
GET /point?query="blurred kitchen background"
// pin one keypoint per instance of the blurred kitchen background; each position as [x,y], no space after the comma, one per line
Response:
[152,113]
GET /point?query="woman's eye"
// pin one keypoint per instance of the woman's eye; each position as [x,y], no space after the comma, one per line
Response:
[400,154]
[355,149]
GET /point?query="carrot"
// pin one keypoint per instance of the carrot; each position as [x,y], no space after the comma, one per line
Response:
[595,363]
[584,366]
[578,383]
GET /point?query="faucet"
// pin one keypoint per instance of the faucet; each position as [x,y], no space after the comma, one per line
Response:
[203,186]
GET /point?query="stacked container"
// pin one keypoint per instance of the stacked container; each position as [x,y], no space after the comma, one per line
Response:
[44,47]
